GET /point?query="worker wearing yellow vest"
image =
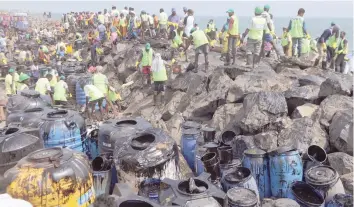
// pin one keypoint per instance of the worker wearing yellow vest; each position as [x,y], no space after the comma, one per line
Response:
[100,17]
[297,30]
[163,23]
[145,24]
[93,96]
[255,33]
[331,48]
[43,85]
[286,42]
[23,82]
[159,77]
[341,52]
[146,61]
[211,30]
[201,45]
[122,26]
[60,92]
[306,46]
[233,37]
[16,78]
[176,41]
[322,45]
[9,83]
[101,82]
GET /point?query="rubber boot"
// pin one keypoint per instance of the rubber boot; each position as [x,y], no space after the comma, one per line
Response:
[233,59]
[155,99]
[332,65]
[162,99]
[316,62]
[227,63]
[196,63]
[249,59]
[324,65]
[206,61]
[255,61]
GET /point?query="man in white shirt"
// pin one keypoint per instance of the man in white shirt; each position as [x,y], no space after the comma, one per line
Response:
[125,11]
[107,18]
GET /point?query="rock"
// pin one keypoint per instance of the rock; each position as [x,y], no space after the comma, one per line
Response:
[239,69]
[178,103]
[339,131]
[341,162]
[225,114]
[337,84]
[302,133]
[311,80]
[348,183]
[189,82]
[262,110]
[156,43]
[298,96]
[135,96]
[204,105]
[266,140]
[330,105]
[256,82]
[151,113]
[291,61]
[292,73]
[220,81]
[240,144]
[174,127]
[306,110]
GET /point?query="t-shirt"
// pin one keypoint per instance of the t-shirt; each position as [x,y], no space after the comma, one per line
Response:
[107,18]
[101,28]
[93,92]
[125,12]
[189,25]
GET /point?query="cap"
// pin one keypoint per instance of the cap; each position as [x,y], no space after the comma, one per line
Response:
[332,23]
[173,10]
[143,11]
[62,77]
[147,46]
[267,6]
[258,10]
[185,9]
[11,70]
[230,11]
[23,77]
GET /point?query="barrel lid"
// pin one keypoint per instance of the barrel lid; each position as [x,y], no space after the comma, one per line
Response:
[211,145]
[242,196]
[191,131]
[238,175]
[280,150]
[255,152]
[30,93]
[321,175]
[285,202]
[191,124]
[208,129]
[48,155]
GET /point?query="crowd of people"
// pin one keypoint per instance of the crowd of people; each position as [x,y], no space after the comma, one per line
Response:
[65,40]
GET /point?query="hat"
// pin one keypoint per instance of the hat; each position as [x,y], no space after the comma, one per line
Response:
[173,10]
[230,11]
[258,10]
[62,77]
[193,30]
[267,6]
[23,77]
[147,46]
[332,23]
[11,70]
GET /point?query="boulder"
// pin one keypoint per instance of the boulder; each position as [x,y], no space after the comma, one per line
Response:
[291,73]
[130,97]
[292,61]
[348,183]
[156,43]
[266,140]
[256,82]
[219,80]
[189,82]
[108,59]
[337,84]
[306,110]
[340,131]
[239,69]
[311,80]
[298,96]
[225,114]
[174,127]
[262,110]
[178,103]
[330,105]
[204,105]
[240,144]
[151,113]
[341,162]
[302,133]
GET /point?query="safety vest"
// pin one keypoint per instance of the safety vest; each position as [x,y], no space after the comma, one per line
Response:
[177,40]
[144,18]
[234,30]
[113,96]
[101,18]
[21,87]
[160,75]
[147,58]
[305,46]
[59,91]
[122,23]
[99,80]
[297,27]
[199,38]
[41,86]
[15,80]
[163,18]
[8,84]
[211,27]
[93,92]
[342,49]
[54,80]
[257,28]
[284,39]
[332,41]
[80,36]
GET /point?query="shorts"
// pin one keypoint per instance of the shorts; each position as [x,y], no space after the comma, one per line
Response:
[146,69]
[145,25]
[202,49]
[60,102]
[268,37]
[159,86]
[96,101]
[253,46]
[163,28]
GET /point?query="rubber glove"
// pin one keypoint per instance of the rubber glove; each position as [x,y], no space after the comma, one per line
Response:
[137,63]
[324,46]
[173,61]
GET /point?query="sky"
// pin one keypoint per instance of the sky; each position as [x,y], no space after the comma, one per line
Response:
[285,8]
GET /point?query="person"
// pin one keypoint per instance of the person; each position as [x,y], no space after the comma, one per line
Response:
[341,52]
[286,42]
[146,61]
[122,26]
[23,82]
[132,26]
[201,45]
[100,18]
[159,76]
[185,11]
[211,30]
[125,11]
[78,41]
[331,47]
[101,32]
[107,18]
[176,40]
[61,53]
[60,92]
[189,22]
[35,71]
[43,84]
[93,96]
[173,19]
[255,36]
[163,23]
[9,83]
[114,12]
[322,46]
[145,24]
[297,28]
[233,36]
[151,25]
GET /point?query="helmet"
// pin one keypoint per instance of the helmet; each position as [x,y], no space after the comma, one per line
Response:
[23,77]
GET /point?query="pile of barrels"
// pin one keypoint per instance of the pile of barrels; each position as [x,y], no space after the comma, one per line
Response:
[252,177]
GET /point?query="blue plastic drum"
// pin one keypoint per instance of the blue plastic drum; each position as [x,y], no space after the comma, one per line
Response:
[188,144]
